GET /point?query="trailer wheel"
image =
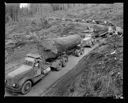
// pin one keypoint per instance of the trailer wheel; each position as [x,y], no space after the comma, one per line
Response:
[59,67]
[77,53]
[26,87]
[82,51]
[64,61]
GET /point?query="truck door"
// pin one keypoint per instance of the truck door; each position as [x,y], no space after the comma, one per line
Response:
[37,68]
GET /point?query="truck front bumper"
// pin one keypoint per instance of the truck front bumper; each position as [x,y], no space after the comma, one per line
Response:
[12,89]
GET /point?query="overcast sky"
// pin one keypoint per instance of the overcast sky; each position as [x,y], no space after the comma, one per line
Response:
[24,5]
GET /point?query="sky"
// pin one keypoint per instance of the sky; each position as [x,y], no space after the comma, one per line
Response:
[24,5]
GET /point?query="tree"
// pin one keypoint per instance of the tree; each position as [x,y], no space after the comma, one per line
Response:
[11,11]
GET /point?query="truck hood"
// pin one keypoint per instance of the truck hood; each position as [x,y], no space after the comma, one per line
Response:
[21,70]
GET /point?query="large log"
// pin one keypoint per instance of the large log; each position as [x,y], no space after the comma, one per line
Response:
[62,43]
[54,46]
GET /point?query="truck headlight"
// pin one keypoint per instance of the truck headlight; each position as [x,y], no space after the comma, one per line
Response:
[15,85]
[5,82]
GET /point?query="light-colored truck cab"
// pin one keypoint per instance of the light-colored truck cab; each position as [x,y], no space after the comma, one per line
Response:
[31,71]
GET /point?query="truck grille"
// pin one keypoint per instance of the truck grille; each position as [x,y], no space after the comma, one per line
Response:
[9,82]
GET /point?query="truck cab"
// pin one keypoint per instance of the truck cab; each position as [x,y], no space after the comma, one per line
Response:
[28,73]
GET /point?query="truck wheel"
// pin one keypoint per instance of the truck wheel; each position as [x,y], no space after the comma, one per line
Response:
[26,87]
[59,67]
[82,51]
[77,53]
[64,62]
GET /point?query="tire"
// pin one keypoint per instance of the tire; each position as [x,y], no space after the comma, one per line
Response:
[77,53]
[64,62]
[82,51]
[27,85]
[59,67]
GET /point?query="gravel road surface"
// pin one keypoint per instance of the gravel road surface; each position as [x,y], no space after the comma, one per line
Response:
[53,76]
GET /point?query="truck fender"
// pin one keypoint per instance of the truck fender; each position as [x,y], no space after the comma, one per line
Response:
[22,81]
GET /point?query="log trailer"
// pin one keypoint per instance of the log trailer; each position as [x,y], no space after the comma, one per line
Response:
[53,53]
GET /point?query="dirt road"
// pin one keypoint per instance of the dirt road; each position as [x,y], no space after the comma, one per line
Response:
[42,85]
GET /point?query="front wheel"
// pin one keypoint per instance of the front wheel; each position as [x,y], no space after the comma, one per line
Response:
[26,87]
[77,53]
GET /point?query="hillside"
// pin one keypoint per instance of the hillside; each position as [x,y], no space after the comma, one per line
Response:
[101,71]
[99,74]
